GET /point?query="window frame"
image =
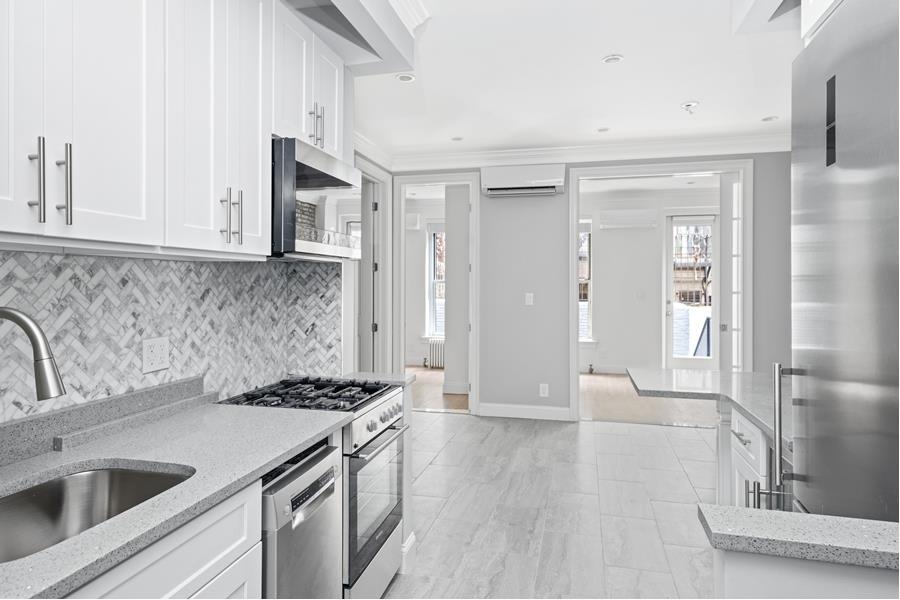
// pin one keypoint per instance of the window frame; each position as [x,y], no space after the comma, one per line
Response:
[585,225]
[430,281]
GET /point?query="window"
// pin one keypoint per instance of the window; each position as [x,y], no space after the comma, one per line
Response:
[584,280]
[437,284]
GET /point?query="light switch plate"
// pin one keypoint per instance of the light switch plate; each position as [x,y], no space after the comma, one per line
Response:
[529,299]
[544,390]
[155,353]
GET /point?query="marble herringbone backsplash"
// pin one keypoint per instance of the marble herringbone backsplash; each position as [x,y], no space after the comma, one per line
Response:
[240,325]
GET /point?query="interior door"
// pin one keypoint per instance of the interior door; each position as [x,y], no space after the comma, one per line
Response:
[691,302]
[105,98]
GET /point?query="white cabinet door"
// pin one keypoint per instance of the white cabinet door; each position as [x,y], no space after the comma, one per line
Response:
[242,579]
[249,124]
[294,45]
[742,471]
[330,98]
[105,83]
[21,114]
[196,124]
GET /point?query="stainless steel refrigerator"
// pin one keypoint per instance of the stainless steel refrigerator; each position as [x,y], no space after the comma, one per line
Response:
[844,264]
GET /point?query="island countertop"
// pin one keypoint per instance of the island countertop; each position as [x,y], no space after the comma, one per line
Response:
[750,393]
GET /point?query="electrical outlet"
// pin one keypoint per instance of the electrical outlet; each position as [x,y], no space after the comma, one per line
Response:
[155,354]
[529,299]
[544,390]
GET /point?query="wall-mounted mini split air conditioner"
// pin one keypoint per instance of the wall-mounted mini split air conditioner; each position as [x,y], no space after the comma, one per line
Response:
[524,180]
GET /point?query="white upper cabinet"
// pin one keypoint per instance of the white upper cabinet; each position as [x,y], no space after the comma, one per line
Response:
[103,119]
[218,169]
[813,13]
[330,97]
[294,66]
[22,131]
[309,84]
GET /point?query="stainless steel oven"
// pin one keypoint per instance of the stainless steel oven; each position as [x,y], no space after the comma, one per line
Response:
[373,509]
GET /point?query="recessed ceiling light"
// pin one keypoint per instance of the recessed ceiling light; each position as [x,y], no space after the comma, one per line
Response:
[405,77]
[769,119]
[612,59]
[690,105]
[456,139]
[602,129]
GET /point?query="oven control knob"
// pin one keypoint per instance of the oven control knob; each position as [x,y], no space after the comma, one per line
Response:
[372,426]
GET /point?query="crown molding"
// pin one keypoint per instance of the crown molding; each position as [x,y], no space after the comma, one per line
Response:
[412,12]
[644,149]
[372,151]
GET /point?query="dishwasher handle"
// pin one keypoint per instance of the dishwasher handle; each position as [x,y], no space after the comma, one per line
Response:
[308,506]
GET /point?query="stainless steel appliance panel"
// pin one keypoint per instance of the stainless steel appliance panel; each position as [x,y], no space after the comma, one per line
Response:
[302,539]
[844,213]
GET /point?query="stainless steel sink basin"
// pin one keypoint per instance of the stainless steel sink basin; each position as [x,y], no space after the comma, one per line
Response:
[45,514]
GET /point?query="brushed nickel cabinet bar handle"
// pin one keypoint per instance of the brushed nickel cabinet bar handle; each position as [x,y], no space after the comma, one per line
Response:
[322,139]
[227,202]
[67,162]
[240,223]
[314,113]
[41,157]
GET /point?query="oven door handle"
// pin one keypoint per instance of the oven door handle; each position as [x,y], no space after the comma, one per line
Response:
[306,510]
[370,455]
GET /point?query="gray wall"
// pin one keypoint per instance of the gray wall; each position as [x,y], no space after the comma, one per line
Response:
[523,247]
[456,349]
[240,325]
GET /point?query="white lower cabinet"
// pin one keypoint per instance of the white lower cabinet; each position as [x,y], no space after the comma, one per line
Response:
[215,554]
[243,579]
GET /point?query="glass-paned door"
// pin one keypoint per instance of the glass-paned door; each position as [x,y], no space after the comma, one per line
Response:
[691,296]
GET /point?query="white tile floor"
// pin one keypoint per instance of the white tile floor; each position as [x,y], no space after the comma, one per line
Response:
[539,509]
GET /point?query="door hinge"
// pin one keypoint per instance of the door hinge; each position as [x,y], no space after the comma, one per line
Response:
[470,327]
[470,267]
[470,387]
[374,206]
[374,267]
[374,327]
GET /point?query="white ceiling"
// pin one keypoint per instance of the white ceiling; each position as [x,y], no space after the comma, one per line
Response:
[516,74]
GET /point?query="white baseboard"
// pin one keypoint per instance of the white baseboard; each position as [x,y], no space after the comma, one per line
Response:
[456,387]
[524,411]
[408,554]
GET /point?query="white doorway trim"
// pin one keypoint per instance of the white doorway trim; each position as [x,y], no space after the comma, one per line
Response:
[381,224]
[472,179]
[743,168]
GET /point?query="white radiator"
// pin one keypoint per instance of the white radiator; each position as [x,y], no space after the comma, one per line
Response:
[436,353]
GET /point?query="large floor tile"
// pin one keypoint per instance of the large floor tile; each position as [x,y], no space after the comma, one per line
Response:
[577,478]
[573,513]
[632,543]
[649,435]
[438,480]
[527,489]
[570,566]
[693,450]
[692,570]
[702,474]
[632,583]
[420,459]
[679,524]
[455,454]
[608,443]
[625,499]
[657,457]
[618,467]
[470,501]
[668,486]
[424,510]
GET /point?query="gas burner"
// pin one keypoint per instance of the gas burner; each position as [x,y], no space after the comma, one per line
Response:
[312,392]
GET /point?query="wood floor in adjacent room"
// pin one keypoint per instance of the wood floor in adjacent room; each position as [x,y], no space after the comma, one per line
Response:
[612,398]
[428,391]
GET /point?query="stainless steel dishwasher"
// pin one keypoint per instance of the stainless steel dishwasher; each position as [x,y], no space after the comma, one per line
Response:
[302,521]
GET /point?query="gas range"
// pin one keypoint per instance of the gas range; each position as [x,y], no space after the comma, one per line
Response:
[374,404]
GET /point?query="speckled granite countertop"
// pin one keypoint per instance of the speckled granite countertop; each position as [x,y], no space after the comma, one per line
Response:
[750,393]
[797,535]
[229,447]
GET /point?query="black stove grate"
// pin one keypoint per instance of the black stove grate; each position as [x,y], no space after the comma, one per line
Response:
[312,392]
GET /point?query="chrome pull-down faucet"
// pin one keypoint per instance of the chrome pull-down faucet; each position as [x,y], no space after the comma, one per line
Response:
[47,382]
